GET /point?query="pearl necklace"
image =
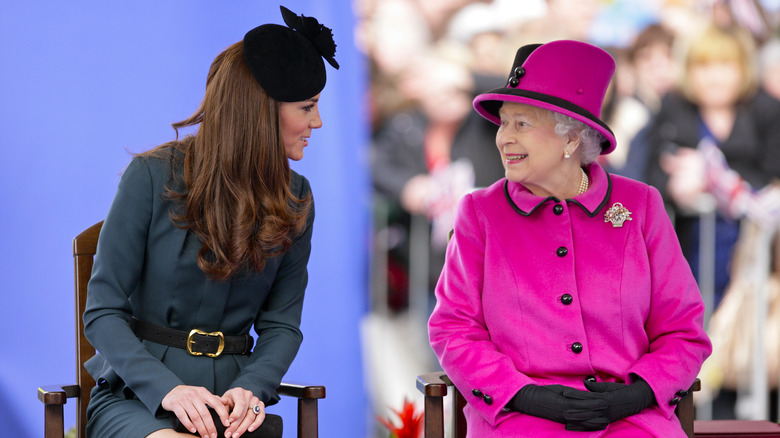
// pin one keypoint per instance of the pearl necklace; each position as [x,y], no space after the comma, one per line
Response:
[584,182]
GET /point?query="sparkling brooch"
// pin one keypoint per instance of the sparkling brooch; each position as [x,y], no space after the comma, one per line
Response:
[617,215]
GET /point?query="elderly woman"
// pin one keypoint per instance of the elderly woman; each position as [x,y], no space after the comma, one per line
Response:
[565,307]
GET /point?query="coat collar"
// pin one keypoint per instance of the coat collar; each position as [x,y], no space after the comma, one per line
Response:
[594,199]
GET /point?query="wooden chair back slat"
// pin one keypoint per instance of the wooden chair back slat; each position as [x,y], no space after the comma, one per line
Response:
[84,248]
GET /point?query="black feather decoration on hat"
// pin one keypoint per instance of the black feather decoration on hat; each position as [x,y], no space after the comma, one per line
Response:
[321,36]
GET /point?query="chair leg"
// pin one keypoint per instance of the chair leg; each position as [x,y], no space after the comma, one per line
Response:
[458,418]
[685,414]
[54,421]
[307,418]
[434,417]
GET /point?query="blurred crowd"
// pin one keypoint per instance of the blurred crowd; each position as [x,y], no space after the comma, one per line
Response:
[693,105]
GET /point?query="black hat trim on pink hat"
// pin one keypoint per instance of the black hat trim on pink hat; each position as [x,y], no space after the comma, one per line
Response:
[493,106]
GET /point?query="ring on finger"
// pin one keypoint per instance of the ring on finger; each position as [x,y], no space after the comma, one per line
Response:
[255,409]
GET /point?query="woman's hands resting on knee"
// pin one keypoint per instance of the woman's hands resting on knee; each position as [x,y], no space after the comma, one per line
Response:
[594,409]
[191,405]
[242,417]
[578,410]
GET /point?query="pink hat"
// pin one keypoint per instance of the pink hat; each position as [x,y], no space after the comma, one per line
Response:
[568,77]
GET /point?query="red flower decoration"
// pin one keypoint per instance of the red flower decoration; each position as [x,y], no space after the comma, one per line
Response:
[411,422]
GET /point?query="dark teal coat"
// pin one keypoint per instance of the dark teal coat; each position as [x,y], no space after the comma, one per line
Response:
[147,267]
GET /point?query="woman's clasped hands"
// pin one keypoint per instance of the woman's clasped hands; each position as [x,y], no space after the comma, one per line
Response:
[236,409]
[603,403]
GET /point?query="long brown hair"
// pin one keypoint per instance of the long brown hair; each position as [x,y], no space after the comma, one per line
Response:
[236,176]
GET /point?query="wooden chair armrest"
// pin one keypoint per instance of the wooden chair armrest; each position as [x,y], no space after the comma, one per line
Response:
[685,410]
[57,394]
[54,398]
[308,396]
[301,391]
[434,387]
[433,384]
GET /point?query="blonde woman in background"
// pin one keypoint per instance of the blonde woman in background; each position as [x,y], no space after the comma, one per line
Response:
[718,99]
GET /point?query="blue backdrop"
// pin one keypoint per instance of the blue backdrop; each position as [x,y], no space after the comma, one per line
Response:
[84,82]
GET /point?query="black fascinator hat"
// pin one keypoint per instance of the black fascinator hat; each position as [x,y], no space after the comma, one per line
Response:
[287,61]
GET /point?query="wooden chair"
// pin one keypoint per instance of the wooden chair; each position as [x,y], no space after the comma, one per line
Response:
[434,388]
[55,396]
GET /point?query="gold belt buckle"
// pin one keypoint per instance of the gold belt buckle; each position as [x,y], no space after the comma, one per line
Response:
[191,341]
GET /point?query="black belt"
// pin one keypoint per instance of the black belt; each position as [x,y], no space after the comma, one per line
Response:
[196,342]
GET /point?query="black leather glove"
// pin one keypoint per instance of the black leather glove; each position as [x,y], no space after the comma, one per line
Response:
[623,400]
[589,425]
[561,404]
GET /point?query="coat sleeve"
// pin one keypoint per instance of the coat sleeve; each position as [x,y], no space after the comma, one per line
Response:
[278,322]
[678,344]
[116,272]
[458,334]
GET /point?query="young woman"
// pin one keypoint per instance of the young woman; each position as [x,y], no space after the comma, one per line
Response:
[209,236]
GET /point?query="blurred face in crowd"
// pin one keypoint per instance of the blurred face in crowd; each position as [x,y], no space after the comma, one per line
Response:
[771,80]
[715,84]
[655,67]
[720,68]
[442,88]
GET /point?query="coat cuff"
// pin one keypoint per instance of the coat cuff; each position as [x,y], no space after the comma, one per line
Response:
[666,396]
[491,402]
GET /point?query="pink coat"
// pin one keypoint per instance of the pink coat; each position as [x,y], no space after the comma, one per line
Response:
[535,290]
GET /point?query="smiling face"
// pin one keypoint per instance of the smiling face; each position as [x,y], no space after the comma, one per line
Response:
[533,154]
[296,121]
